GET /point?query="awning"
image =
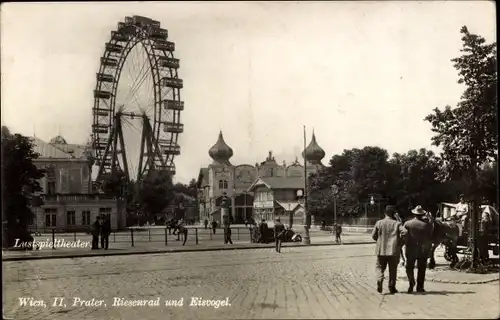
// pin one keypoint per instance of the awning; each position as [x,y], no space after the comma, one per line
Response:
[288,205]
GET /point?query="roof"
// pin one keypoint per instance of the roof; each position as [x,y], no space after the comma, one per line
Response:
[288,205]
[47,150]
[279,183]
[202,178]
[58,151]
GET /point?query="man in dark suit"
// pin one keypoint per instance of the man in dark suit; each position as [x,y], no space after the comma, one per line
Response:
[105,231]
[96,230]
[263,231]
[418,246]
[388,233]
[279,234]
[227,234]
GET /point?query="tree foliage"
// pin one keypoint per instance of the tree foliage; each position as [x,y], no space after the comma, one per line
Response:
[405,180]
[189,189]
[19,179]
[114,183]
[468,133]
[155,192]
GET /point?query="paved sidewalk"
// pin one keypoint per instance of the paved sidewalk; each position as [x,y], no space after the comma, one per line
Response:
[172,246]
[444,274]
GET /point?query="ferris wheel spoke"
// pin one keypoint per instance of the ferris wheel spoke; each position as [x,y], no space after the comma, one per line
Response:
[141,77]
[137,81]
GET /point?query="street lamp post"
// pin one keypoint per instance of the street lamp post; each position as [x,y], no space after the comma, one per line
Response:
[301,197]
[335,191]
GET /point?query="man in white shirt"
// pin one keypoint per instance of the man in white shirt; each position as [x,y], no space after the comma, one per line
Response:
[462,208]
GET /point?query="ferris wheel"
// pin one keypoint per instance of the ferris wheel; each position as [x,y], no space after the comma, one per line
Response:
[137,102]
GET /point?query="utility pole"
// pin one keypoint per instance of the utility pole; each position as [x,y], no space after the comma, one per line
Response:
[307,239]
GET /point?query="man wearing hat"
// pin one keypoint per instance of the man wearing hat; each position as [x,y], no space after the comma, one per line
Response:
[388,233]
[418,245]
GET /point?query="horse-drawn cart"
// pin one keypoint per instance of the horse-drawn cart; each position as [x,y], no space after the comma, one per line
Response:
[488,214]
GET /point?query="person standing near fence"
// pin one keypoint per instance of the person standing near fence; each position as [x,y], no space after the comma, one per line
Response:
[279,234]
[227,234]
[105,231]
[96,229]
[214,226]
[338,231]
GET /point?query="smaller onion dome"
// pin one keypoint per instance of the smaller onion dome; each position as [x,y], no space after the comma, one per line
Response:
[314,153]
[58,140]
[220,151]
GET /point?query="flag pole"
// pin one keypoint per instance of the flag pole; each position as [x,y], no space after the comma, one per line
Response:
[307,239]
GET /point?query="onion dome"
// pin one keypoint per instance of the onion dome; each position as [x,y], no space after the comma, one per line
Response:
[58,140]
[313,153]
[221,152]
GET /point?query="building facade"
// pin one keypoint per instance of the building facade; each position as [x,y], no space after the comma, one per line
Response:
[69,203]
[238,181]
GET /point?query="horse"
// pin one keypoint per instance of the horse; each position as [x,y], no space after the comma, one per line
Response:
[446,233]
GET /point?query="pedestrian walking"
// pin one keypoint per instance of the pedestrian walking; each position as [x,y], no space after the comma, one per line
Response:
[96,229]
[279,234]
[418,247]
[338,232]
[214,226]
[205,222]
[105,231]
[227,234]
[389,234]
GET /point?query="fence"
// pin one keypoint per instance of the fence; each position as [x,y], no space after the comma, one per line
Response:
[160,235]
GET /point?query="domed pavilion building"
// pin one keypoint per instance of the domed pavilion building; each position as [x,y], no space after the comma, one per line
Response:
[261,191]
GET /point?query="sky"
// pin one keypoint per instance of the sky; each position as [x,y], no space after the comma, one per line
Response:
[359,73]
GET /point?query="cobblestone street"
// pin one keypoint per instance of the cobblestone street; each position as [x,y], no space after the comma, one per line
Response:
[314,282]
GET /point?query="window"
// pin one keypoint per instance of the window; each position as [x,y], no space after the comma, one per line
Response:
[51,187]
[70,218]
[50,217]
[85,217]
[223,184]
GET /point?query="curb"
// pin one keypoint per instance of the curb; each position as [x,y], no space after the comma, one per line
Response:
[128,253]
[456,281]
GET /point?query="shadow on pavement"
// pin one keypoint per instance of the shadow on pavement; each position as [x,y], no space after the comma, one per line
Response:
[443,293]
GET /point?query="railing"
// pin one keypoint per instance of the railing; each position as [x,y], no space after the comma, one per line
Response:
[138,235]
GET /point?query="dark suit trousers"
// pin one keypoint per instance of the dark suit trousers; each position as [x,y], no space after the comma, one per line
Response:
[418,255]
[104,240]
[278,243]
[382,263]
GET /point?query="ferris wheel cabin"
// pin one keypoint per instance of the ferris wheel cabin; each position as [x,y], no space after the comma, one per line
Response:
[173,127]
[172,83]
[173,104]
[167,62]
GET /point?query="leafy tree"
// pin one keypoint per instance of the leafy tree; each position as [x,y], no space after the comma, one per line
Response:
[155,192]
[114,183]
[19,180]
[358,173]
[416,180]
[468,133]
[190,189]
